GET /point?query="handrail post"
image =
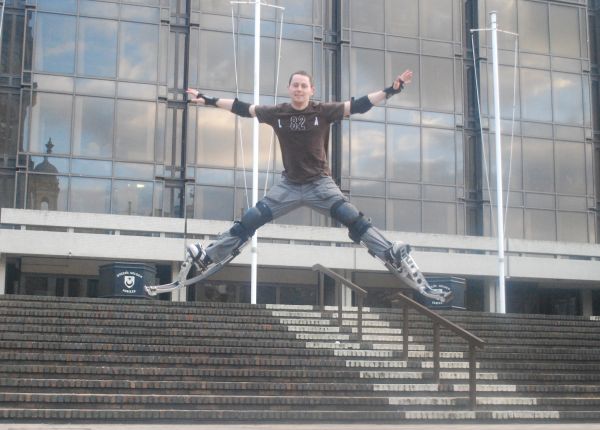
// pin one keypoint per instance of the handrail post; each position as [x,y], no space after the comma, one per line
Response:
[405,331]
[472,377]
[436,352]
[359,316]
[322,290]
[338,292]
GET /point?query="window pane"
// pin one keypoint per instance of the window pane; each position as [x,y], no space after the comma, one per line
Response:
[439,218]
[9,121]
[436,19]
[55,43]
[301,60]
[396,64]
[567,100]
[47,192]
[506,11]
[213,203]
[538,165]
[90,195]
[514,223]
[533,26]
[135,130]
[404,153]
[67,6]
[402,17]
[570,165]
[138,52]
[132,198]
[93,131]
[437,84]
[511,162]
[404,215]
[540,225]
[12,44]
[99,9]
[91,167]
[564,31]
[214,69]
[7,189]
[367,15]
[97,48]
[367,70]
[47,164]
[134,170]
[367,150]
[508,93]
[439,158]
[372,208]
[51,119]
[536,98]
[572,227]
[299,11]
[216,138]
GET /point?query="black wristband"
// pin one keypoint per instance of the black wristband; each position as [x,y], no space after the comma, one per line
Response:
[390,91]
[208,101]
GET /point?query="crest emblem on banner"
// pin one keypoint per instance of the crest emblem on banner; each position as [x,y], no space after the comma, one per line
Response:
[129,281]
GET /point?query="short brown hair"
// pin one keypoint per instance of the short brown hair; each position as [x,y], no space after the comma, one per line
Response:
[302,73]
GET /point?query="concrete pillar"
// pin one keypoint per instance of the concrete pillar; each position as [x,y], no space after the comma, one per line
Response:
[489,292]
[586,302]
[180,294]
[2,273]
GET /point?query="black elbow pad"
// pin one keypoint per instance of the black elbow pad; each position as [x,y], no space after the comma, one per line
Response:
[360,105]
[241,108]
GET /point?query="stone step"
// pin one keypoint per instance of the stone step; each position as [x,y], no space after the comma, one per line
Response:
[58,359]
[183,387]
[158,349]
[374,415]
[175,373]
[104,401]
[210,402]
[260,373]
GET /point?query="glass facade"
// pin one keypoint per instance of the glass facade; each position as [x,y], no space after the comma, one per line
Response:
[92,103]
[549,149]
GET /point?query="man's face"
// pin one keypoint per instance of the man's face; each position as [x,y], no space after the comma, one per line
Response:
[300,89]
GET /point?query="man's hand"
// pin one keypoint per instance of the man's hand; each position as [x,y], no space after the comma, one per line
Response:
[405,77]
[194,96]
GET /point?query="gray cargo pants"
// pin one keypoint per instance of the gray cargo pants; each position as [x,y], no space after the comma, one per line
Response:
[286,196]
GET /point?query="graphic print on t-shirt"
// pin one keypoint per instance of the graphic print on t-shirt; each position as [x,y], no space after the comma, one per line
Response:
[297,122]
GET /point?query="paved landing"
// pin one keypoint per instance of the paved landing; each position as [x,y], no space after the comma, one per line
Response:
[580,426]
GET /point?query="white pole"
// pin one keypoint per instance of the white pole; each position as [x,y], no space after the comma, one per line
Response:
[1,24]
[500,218]
[253,285]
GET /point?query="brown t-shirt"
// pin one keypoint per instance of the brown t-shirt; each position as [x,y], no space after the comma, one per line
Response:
[303,136]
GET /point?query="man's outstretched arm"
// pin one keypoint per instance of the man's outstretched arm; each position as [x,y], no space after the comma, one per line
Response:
[232,105]
[363,104]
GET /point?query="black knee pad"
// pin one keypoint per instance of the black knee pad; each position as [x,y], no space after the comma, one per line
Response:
[346,213]
[253,219]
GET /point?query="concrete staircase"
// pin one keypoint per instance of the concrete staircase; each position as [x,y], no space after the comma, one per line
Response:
[147,361]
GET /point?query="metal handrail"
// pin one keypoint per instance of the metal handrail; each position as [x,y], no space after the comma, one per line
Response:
[339,281]
[473,341]
[437,320]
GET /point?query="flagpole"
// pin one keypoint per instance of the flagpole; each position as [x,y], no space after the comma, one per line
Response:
[255,143]
[498,139]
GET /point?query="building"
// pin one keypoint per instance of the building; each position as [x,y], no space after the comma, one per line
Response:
[101,158]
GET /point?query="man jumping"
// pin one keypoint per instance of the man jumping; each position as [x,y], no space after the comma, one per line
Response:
[302,128]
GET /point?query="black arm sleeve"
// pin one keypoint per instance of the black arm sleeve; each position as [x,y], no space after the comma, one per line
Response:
[241,108]
[360,105]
